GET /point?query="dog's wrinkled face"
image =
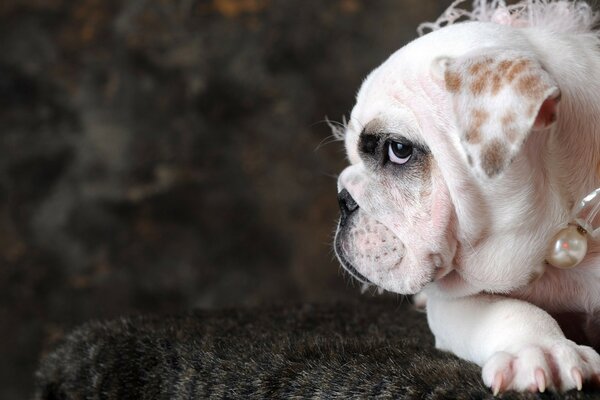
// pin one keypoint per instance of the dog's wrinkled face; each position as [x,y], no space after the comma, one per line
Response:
[395,209]
[438,172]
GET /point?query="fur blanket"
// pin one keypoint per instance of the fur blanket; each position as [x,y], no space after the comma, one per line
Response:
[371,349]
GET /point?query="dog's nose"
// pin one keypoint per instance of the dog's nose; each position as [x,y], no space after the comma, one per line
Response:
[347,205]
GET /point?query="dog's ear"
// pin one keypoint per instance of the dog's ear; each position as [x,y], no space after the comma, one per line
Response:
[499,96]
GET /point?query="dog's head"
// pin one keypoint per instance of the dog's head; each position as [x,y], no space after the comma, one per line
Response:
[447,166]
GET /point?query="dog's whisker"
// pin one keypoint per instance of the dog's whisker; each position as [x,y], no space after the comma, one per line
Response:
[332,176]
[338,129]
[328,140]
[364,287]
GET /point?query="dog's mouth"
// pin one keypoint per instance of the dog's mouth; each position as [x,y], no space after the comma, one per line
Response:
[347,264]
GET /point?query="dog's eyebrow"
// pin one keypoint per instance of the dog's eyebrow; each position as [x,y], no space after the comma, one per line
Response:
[374,133]
[374,127]
[370,137]
[368,143]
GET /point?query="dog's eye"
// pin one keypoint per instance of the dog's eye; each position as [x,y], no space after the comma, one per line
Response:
[399,153]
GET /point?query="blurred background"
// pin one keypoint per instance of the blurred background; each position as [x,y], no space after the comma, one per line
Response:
[161,155]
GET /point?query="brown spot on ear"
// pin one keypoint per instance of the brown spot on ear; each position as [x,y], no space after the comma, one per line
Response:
[516,69]
[479,84]
[496,83]
[475,68]
[530,86]
[504,66]
[508,119]
[509,129]
[473,136]
[480,66]
[479,116]
[493,157]
[453,81]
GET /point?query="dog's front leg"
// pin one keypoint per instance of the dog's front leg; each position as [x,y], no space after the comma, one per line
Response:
[519,345]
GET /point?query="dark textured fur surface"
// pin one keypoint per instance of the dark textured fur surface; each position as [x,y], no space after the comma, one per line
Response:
[371,349]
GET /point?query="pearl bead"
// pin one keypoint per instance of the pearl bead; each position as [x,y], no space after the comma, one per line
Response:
[569,247]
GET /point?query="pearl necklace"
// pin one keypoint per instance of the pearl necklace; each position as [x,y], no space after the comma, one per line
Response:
[569,245]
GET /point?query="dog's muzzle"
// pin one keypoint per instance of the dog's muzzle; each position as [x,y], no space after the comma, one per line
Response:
[373,254]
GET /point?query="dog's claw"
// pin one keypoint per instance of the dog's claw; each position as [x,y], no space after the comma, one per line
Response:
[497,383]
[558,366]
[540,379]
[577,377]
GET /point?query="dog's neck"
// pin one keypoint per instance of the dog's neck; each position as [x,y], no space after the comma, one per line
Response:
[571,163]
[574,145]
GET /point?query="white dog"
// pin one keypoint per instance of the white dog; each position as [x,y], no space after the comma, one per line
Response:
[469,148]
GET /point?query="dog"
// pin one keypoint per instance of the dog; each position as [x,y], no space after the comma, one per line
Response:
[469,149]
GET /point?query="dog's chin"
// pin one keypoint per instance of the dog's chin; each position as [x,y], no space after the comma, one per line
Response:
[428,275]
[447,282]
[408,286]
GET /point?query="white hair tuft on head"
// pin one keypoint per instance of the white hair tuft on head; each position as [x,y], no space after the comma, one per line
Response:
[557,15]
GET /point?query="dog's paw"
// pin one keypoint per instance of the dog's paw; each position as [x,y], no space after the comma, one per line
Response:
[561,366]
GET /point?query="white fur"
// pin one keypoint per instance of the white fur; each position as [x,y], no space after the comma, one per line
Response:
[491,234]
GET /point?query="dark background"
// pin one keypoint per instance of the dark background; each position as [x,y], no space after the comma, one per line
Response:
[157,156]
